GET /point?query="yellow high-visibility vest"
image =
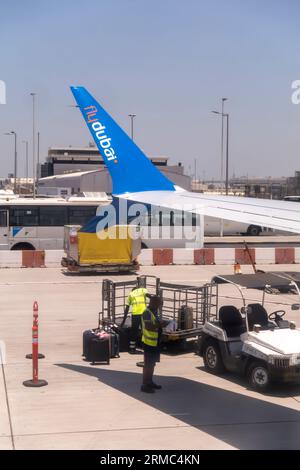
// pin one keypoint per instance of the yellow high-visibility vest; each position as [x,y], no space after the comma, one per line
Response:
[137,300]
[150,337]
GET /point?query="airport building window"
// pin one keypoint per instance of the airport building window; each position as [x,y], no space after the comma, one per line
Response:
[24,216]
[53,216]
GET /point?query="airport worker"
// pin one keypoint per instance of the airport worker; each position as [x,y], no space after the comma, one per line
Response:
[151,329]
[137,301]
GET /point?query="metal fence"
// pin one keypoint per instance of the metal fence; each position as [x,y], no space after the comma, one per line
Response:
[202,300]
[114,296]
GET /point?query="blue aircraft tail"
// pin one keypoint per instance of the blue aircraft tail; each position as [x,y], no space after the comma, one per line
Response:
[131,171]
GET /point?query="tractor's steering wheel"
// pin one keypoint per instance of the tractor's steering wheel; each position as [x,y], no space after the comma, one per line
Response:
[278,315]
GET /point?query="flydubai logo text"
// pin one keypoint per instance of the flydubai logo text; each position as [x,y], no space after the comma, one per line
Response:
[103,139]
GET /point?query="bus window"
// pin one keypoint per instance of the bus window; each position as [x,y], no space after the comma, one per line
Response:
[194,220]
[178,219]
[26,216]
[80,215]
[3,218]
[51,216]
[165,218]
[154,219]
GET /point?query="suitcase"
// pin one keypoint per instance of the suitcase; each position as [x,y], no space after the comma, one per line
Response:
[114,344]
[185,318]
[87,337]
[99,351]
[124,336]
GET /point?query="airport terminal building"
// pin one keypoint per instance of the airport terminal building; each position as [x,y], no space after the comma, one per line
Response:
[70,170]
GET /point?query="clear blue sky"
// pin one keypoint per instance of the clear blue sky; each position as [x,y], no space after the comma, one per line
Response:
[168,61]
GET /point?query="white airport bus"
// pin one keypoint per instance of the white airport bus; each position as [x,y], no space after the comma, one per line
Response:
[164,229]
[33,224]
[292,198]
[38,223]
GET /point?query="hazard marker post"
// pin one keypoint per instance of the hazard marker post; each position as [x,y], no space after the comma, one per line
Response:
[237,268]
[35,381]
[35,320]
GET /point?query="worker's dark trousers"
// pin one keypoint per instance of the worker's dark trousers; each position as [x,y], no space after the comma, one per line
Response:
[148,372]
[136,325]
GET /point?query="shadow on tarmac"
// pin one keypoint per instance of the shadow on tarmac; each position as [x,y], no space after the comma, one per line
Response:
[278,389]
[241,421]
[103,274]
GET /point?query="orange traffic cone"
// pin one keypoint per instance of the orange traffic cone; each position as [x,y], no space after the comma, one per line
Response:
[237,268]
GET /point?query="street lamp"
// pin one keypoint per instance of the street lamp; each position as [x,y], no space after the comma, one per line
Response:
[226,115]
[38,161]
[132,116]
[26,143]
[222,142]
[33,140]
[15,160]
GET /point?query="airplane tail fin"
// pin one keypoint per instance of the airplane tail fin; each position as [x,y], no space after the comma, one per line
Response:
[130,169]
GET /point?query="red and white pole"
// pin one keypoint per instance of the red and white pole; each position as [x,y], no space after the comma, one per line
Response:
[35,324]
[35,382]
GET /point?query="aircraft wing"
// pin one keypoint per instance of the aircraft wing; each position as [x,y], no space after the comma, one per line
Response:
[279,215]
[135,178]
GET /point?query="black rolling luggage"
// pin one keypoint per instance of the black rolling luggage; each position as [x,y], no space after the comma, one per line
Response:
[96,349]
[124,336]
[99,351]
[185,318]
[114,344]
[87,337]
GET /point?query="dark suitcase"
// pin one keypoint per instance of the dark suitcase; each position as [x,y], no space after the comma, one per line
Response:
[87,337]
[114,344]
[99,351]
[124,336]
[185,318]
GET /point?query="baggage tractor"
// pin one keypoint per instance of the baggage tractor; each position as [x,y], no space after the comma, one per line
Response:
[185,318]
[99,351]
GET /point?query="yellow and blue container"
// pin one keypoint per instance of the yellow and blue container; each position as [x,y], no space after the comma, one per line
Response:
[116,245]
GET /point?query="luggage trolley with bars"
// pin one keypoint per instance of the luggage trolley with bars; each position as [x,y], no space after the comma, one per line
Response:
[187,307]
[184,309]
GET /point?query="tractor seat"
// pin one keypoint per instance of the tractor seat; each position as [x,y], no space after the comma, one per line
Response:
[257,315]
[231,321]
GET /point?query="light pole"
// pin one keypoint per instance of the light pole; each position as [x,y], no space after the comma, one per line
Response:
[15,159]
[33,140]
[38,160]
[132,116]
[26,143]
[226,115]
[222,142]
